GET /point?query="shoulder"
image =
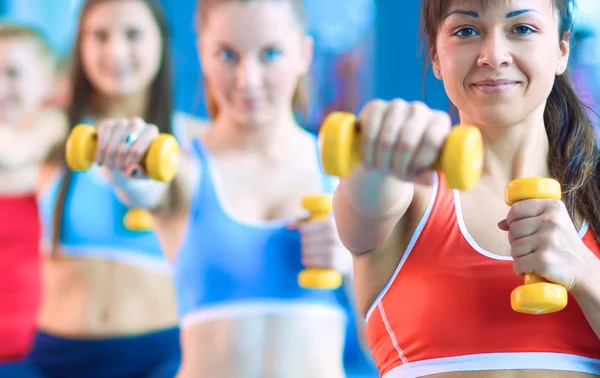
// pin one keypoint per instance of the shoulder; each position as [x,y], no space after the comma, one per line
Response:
[190,126]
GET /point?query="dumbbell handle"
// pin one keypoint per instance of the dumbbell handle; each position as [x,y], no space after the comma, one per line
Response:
[556,295]
[319,208]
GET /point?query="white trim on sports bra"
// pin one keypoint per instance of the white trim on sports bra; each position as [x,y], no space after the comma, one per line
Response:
[497,361]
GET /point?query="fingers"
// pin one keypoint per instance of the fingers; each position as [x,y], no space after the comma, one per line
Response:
[123,143]
[389,131]
[369,120]
[402,139]
[523,228]
[431,143]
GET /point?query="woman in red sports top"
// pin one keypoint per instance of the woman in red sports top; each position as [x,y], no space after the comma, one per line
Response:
[434,268]
[28,133]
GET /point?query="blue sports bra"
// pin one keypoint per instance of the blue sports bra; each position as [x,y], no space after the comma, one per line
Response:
[227,267]
[92,222]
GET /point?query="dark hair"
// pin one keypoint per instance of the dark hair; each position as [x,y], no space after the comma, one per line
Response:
[300,98]
[158,112]
[574,158]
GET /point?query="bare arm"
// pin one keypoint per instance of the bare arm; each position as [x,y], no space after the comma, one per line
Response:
[367,206]
[21,146]
[588,297]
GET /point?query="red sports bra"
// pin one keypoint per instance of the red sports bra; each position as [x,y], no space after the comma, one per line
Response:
[447,308]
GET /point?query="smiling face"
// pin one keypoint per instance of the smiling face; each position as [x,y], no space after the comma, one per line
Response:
[499,62]
[121,47]
[253,54]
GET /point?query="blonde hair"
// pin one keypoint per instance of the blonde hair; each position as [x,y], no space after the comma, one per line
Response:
[301,93]
[12,31]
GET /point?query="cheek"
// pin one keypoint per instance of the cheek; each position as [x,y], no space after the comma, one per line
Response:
[221,78]
[149,55]
[282,80]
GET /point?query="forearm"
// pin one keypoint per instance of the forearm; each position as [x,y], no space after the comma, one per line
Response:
[367,207]
[154,195]
[588,297]
[145,193]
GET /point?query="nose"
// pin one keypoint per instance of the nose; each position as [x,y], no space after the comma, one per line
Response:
[248,74]
[116,47]
[495,51]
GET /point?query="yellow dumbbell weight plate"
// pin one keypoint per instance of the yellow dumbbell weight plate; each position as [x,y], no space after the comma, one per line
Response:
[532,187]
[319,206]
[462,157]
[161,158]
[339,140]
[81,147]
[319,278]
[138,220]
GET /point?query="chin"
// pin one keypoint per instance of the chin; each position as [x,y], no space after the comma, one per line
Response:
[251,119]
[121,88]
[497,115]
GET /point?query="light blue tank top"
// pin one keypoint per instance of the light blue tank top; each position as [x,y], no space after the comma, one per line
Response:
[228,267]
[92,222]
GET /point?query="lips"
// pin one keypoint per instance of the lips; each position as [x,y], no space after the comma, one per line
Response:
[494,86]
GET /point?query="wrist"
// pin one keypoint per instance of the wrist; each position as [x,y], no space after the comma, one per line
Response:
[588,283]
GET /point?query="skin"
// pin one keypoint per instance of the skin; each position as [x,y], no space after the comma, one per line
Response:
[253,56]
[85,297]
[29,129]
[402,140]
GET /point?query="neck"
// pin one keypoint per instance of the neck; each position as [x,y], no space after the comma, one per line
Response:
[270,138]
[128,106]
[514,151]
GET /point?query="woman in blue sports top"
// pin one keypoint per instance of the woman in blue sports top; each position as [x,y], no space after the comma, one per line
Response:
[109,303]
[230,218]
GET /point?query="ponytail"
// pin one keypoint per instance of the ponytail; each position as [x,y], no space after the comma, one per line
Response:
[574,156]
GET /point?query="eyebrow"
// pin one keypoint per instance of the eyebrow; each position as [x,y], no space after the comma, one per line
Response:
[474,14]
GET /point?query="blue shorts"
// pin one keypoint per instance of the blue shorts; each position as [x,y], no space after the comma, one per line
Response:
[150,355]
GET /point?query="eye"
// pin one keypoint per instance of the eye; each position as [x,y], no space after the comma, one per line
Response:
[13,72]
[101,35]
[466,32]
[133,34]
[270,54]
[523,30]
[227,55]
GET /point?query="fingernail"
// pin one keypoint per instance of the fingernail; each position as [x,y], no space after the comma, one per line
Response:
[134,172]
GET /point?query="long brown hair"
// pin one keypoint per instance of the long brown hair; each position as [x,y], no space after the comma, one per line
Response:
[574,158]
[158,112]
[300,98]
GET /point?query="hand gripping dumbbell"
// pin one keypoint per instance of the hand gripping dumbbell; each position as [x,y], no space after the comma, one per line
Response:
[319,207]
[536,295]
[461,159]
[160,162]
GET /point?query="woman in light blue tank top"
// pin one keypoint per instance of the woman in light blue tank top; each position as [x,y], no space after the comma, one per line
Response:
[109,305]
[230,219]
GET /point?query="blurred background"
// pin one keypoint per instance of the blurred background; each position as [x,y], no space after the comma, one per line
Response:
[362,50]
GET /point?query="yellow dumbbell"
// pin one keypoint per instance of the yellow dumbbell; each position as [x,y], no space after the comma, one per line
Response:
[536,295]
[461,159]
[138,219]
[160,161]
[319,207]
